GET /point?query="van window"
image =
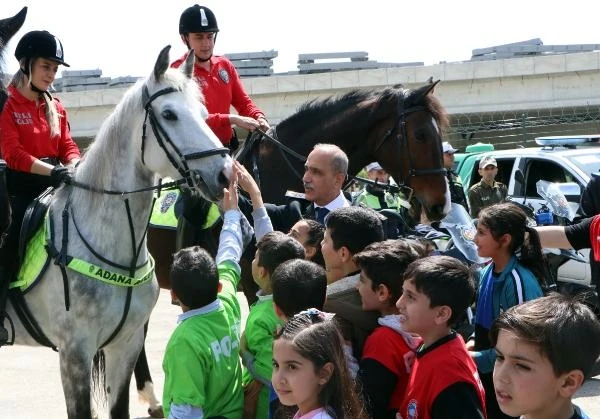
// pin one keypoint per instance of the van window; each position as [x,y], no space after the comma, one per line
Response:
[538,169]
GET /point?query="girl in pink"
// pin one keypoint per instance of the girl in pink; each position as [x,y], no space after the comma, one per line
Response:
[309,369]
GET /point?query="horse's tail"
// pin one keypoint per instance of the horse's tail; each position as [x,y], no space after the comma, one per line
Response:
[99,380]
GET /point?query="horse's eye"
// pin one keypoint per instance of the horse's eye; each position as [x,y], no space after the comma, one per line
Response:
[169,115]
[420,136]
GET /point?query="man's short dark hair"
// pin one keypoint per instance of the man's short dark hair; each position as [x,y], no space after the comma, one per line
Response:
[194,277]
[446,281]
[276,247]
[385,262]
[354,228]
[564,329]
[299,285]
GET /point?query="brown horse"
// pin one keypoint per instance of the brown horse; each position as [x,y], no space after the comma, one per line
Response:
[399,128]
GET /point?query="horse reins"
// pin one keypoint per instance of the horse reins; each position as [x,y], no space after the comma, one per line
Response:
[403,138]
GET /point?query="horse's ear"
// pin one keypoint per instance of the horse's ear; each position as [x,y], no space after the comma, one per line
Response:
[188,66]
[422,92]
[162,63]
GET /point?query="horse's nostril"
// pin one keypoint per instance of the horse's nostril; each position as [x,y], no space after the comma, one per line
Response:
[223,181]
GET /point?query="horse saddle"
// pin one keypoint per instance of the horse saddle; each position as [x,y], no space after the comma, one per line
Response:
[34,216]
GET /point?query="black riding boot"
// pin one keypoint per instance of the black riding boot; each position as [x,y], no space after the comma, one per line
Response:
[3,298]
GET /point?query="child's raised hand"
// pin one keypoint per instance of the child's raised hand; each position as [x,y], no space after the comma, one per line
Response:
[245,180]
[230,195]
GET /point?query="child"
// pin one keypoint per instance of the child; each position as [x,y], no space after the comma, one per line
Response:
[257,352]
[203,375]
[509,280]
[310,234]
[298,285]
[384,366]
[443,381]
[545,349]
[309,369]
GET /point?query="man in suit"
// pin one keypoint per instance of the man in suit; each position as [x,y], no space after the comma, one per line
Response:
[325,171]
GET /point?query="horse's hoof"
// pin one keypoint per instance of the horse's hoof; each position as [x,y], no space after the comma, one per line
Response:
[156,413]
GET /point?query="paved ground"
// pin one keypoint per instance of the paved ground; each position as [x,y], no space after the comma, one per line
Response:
[30,380]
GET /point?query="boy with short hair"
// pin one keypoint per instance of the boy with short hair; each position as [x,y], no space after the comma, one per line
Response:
[298,285]
[348,231]
[203,375]
[272,249]
[443,381]
[545,348]
[384,368]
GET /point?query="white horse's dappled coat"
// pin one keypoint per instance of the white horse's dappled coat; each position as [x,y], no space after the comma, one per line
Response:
[114,162]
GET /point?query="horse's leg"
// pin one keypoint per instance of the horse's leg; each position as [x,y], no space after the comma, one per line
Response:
[75,372]
[143,382]
[120,357]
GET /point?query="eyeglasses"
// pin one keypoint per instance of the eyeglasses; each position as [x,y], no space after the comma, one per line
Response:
[490,167]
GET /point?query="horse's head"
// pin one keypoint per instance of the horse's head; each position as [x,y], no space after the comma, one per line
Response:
[8,27]
[410,148]
[179,143]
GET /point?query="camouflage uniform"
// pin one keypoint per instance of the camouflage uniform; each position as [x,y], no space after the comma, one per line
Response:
[482,195]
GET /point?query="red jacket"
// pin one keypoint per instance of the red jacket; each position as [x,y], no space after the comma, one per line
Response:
[222,89]
[25,133]
[436,370]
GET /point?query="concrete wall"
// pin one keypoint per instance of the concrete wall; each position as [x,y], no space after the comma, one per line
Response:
[472,87]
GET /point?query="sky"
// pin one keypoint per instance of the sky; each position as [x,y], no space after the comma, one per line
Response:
[123,38]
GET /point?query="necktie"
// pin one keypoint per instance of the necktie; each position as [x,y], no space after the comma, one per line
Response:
[321,213]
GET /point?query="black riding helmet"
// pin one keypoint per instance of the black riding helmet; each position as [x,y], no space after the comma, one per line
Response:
[197,19]
[40,44]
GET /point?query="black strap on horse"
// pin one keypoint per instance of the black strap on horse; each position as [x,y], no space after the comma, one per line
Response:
[402,135]
[252,146]
[163,138]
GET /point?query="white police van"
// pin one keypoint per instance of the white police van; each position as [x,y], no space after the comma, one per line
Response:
[564,159]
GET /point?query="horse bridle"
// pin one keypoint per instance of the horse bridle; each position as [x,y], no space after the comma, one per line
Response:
[404,143]
[404,146]
[162,138]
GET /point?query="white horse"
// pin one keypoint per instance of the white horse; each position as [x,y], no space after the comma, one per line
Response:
[158,128]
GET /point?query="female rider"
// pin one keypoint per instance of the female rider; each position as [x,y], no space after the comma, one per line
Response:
[34,140]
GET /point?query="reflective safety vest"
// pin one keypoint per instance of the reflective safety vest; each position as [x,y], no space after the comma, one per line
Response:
[163,212]
[372,201]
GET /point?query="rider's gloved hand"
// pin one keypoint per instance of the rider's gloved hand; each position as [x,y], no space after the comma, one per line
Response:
[60,175]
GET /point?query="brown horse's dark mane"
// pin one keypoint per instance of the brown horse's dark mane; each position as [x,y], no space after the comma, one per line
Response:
[336,106]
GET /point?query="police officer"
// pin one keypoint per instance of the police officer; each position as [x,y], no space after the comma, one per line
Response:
[397,221]
[34,140]
[487,191]
[378,197]
[217,77]
[457,193]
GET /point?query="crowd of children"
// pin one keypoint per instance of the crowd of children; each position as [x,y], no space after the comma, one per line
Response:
[370,334]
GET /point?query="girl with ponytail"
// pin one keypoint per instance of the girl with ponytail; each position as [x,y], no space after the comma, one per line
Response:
[516,274]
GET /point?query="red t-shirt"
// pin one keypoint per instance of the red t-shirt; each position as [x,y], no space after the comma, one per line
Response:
[387,347]
[435,371]
[25,133]
[222,89]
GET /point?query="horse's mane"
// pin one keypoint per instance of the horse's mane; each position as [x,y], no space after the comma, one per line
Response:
[337,105]
[433,104]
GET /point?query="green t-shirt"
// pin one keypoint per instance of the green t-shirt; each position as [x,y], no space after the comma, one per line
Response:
[261,324]
[201,363]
